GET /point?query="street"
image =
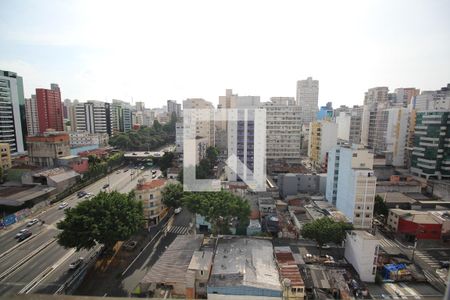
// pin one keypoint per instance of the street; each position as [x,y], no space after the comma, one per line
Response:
[38,253]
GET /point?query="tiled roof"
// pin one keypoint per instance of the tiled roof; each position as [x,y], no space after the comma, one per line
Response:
[149,185]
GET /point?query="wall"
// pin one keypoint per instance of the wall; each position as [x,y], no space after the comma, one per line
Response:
[362,254]
[431,231]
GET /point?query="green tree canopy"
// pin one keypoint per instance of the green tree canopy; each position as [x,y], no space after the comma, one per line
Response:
[219,209]
[106,219]
[172,195]
[380,207]
[325,230]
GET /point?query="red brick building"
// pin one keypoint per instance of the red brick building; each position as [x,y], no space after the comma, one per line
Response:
[49,109]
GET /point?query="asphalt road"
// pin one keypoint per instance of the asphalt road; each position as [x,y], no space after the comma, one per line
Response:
[20,277]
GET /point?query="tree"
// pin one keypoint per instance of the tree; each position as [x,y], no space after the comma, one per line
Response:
[172,195]
[106,219]
[219,209]
[165,161]
[325,230]
[211,155]
[380,207]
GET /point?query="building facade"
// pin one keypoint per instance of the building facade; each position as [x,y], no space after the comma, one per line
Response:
[93,117]
[322,137]
[31,112]
[308,99]
[121,116]
[5,159]
[351,184]
[361,251]
[45,149]
[349,125]
[173,107]
[283,131]
[431,152]
[12,112]
[375,100]
[49,109]
[150,195]
[79,139]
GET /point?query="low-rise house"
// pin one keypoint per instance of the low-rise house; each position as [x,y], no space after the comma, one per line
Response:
[171,268]
[361,250]
[397,200]
[244,268]
[76,163]
[150,194]
[198,273]
[291,279]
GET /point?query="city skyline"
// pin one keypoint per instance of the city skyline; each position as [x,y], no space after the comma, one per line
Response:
[201,49]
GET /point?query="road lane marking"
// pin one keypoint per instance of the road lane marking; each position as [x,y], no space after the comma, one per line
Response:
[20,244]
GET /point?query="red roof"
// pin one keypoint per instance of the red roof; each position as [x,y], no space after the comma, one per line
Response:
[149,185]
[292,273]
[285,258]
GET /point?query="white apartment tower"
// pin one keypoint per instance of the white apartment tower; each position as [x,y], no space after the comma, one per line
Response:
[93,117]
[31,115]
[351,183]
[283,130]
[308,98]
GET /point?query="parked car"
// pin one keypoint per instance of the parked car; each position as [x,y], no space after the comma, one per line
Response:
[21,232]
[32,222]
[63,205]
[324,246]
[24,236]
[178,210]
[75,264]
[106,186]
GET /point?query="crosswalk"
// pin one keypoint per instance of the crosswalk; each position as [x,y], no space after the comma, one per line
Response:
[178,229]
[427,258]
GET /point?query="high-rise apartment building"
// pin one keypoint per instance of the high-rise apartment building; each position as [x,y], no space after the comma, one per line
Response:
[31,112]
[349,124]
[308,99]
[49,109]
[405,95]
[173,107]
[351,183]
[247,143]
[203,113]
[375,101]
[396,135]
[322,138]
[93,117]
[12,112]
[283,130]
[431,152]
[121,116]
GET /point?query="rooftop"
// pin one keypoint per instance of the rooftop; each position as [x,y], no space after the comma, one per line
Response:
[149,185]
[396,197]
[201,260]
[245,262]
[17,195]
[363,235]
[171,267]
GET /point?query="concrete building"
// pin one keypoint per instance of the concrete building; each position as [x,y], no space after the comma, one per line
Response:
[244,268]
[283,131]
[198,273]
[349,124]
[322,137]
[179,137]
[93,117]
[351,184]
[308,99]
[174,107]
[31,113]
[325,112]
[291,279]
[5,156]
[49,109]
[59,178]
[397,135]
[203,113]
[412,224]
[45,149]
[12,114]
[431,152]
[405,95]
[361,251]
[150,194]
[121,116]
[78,139]
[375,100]
[247,146]
[293,184]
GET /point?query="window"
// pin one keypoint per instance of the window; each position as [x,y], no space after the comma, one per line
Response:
[357,215]
[151,196]
[201,273]
[355,154]
[201,284]
[140,196]
[374,270]
[367,215]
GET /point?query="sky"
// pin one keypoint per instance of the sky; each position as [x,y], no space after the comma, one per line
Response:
[152,51]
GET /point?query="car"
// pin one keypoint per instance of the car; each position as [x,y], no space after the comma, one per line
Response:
[21,232]
[130,245]
[324,246]
[118,172]
[106,186]
[134,153]
[142,168]
[178,210]
[32,222]
[24,236]
[75,264]
[125,170]
[153,171]
[81,194]
[444,264]
[63,205]
[154,176]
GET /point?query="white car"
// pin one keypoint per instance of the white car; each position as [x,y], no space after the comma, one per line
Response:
[63,205]
[178,210]
[32,222]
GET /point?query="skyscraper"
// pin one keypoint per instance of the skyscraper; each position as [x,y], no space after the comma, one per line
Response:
[93,117]
[307,99]
[49,109]
[173,107]
[12,113]
[31,112]
[375,101]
